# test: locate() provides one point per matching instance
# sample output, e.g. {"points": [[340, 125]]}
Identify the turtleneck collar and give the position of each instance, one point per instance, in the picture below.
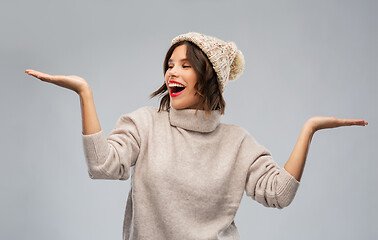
{"points": [[186, 119]]}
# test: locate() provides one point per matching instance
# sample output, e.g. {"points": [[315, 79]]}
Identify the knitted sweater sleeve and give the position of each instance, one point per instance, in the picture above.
{"points": [[266, 182], [111, 157]]}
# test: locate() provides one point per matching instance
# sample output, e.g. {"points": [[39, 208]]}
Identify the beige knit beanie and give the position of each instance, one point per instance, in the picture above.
{"points": [[228, 62]]}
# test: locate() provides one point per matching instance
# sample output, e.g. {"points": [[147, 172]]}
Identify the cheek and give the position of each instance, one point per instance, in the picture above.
{"points": [[192, 79]]}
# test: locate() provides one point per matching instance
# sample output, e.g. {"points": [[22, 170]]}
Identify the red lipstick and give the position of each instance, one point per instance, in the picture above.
{"points": [[177, 93]]}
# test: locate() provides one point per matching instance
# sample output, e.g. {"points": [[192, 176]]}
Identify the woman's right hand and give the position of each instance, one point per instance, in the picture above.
{"points": [[75, 83]]}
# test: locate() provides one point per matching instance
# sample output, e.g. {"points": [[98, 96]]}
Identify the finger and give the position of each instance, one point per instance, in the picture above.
{"points": [[349, 122], [47, 77], [32, 72], [42, 76], [29, 71]]}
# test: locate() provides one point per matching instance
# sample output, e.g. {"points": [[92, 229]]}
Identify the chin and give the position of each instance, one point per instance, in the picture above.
{"points": [[177, 106]]}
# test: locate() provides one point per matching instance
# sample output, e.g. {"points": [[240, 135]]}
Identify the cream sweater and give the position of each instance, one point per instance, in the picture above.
{"points": [[189, 173]]}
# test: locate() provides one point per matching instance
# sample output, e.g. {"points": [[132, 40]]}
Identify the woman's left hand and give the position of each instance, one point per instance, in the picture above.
{"points": [[321, 122]]}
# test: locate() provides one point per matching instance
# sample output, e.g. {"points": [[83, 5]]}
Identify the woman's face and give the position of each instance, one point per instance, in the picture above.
{"points": [[180, 79]]}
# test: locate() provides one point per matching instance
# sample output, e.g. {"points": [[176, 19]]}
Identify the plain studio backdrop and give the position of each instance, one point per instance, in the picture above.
{"points": [[303, 58]]}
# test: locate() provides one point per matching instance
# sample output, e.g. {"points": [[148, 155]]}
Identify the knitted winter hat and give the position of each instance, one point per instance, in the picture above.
{"points": [[227, 60]]}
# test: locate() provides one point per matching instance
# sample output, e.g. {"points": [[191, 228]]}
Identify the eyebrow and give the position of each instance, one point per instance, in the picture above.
{"points": [[182, 60]]}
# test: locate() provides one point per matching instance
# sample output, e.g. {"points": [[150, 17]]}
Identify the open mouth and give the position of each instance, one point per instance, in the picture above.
{"points": [[176, 88]]}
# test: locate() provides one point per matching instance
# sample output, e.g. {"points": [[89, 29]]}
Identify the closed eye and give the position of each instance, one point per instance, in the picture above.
{"points": [[182, 66]]}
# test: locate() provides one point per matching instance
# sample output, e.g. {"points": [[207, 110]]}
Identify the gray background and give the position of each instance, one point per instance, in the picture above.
{"points": [[303, 58]]}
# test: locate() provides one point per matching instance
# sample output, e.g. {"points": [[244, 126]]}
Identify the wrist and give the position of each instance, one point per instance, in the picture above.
{"points": [[309, 127], [85, 92]]}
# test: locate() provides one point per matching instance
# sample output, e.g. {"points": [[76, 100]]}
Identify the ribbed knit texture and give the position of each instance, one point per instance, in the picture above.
{"points": [[189, 173]]}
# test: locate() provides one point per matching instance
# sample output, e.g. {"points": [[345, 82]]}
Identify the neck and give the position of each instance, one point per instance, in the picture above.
{"points": [[195, 120]]}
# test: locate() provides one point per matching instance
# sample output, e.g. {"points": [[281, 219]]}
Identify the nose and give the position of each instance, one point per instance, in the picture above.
{"points": [[172, 72]]}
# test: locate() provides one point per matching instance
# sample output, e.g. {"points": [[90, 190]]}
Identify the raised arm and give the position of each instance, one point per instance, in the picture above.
{"points": [[276, 187], [89, 117], [297, 159], [90, 122], [107, 157]]}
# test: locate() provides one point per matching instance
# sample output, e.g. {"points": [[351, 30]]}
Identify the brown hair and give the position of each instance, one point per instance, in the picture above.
{"points": [[207, 83]]}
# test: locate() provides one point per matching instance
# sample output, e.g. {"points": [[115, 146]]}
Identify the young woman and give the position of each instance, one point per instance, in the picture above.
{"points": [[190, 171]]}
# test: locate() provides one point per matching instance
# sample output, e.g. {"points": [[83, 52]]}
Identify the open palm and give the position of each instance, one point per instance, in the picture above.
{"points": [[322, 122], [75, 83]]}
